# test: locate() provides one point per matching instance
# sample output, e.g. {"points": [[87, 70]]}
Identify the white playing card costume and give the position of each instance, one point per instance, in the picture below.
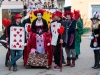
{"points": [[17, 38], [54, 27]]}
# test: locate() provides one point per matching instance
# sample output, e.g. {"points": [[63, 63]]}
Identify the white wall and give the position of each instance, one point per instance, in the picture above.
{"points": [[0, 19], [67, 3]]}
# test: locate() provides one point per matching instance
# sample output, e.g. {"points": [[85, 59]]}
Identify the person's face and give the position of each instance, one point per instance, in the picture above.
{"points": [[39, 16], [94, 21], [68, 17], [56, 17], [18, 20]]}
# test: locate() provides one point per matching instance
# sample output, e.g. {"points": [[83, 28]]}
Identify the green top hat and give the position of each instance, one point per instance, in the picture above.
{"points": [[67, 8]]}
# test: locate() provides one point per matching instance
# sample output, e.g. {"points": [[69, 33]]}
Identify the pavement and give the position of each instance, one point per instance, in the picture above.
{"points": [[82, 67]]}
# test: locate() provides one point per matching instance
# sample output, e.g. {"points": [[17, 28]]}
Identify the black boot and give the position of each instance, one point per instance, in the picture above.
{"points": [[6, 60], [96, 66], [76, 56], [96, 58]]}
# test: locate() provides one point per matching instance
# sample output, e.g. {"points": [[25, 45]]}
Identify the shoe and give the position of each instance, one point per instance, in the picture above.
{"points": [[9, 66], [68, 63], [73, 63], [6, 64], [76, 56], [56, 68], [63, 63], [14, 69]]}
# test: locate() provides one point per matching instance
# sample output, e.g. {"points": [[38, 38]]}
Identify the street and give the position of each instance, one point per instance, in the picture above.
{"points": [[82, 67]]}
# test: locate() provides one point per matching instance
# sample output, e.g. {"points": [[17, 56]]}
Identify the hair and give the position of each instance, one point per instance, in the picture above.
{"points": [[97, 25]]}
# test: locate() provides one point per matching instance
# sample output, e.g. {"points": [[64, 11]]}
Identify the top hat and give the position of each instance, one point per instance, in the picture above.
{"points": [[68, 8], [96, 16]]}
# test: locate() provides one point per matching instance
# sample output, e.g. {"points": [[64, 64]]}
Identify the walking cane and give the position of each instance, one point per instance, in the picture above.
{"points": [[61, 54], [6, 23], [60, 31]]}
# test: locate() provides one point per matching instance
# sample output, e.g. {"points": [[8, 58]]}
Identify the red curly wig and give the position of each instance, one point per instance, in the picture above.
{"points": [[39, 11], [76, 14], [68, 13]]}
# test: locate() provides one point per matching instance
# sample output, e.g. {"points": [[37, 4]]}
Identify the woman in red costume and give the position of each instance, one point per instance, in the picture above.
{"points": [[39, 42]]}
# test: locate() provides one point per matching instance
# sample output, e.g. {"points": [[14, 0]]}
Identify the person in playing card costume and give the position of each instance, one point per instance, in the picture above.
{"points": [[58, 17], [95, 39], [69, 36], [39, 42], [12, 63]]}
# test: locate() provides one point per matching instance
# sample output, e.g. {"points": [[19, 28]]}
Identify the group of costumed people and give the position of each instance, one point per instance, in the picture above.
{"points": [[39, 50]]}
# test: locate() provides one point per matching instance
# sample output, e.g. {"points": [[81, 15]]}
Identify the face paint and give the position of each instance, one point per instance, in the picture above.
{"points": [[39, 15], [68, 17]]}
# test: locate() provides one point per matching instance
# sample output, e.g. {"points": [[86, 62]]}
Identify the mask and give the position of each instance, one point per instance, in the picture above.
{"points": [[39, 15]]}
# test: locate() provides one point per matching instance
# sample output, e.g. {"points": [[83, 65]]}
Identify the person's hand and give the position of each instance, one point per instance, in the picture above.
{"points": [[61, 40], [7, 40], [96, 35]]}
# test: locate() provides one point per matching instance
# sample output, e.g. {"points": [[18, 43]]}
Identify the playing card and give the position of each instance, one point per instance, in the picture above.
{"points": [[26, 26], [54, 27], [17, 38]]}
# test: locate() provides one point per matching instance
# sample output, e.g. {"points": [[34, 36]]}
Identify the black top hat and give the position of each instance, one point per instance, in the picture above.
{"points": [[67, 8], [96, 16]]}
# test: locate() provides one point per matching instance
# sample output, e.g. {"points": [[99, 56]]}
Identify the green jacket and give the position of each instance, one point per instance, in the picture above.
{"points": [[79, 30]]}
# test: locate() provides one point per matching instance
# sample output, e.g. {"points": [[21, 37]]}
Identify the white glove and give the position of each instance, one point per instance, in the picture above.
{"points": [[48, 44], [25, 44], [91, 37]]}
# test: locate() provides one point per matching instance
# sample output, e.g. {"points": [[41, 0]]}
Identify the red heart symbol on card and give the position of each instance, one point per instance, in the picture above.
{"points": [[15, 29], [14, 40], [41, 40], [53, 25], [20, 46], [20, 40], [20, 29], [20, 35], [40, 45], [15, 35], [14, 46], [17, 43], [17, 32]]}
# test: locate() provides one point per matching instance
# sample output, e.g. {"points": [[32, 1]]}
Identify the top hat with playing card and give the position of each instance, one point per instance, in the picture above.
{"points": [[96, 16], [58, 13], [18, 16]]}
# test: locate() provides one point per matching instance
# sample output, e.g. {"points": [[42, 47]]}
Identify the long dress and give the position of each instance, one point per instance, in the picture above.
{"points": [[39, 42]]}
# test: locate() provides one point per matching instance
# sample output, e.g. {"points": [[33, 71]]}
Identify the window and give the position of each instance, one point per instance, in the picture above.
{"points": [[95, 8]]}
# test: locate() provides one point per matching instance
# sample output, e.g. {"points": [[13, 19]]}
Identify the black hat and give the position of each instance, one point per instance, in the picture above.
{"points": [[67, 8], [96, 16]]}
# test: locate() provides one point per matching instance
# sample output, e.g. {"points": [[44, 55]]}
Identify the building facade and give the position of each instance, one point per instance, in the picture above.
{"points": [[9, 7], [87, 8]]}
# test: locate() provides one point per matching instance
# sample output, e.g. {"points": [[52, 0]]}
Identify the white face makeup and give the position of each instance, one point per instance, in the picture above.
{"points": [[68, 17], [39, 15]]}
